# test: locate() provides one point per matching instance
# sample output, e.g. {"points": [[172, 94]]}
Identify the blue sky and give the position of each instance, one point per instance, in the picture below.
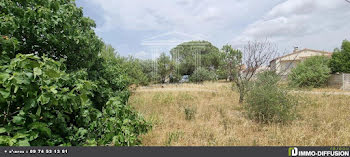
{"points": [[127, 24]]}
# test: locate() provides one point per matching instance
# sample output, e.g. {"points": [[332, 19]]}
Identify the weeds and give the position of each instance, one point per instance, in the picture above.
{"points": [[190, 113]]}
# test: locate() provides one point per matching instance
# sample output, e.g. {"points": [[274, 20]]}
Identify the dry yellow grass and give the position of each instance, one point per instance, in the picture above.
{"points": [[220, 120]]}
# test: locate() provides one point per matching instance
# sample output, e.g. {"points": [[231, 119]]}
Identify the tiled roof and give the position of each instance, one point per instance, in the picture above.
{"points": [[324, 52]]}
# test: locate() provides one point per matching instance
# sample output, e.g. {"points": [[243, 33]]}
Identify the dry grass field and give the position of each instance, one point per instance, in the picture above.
{"points": [[209, 115]]}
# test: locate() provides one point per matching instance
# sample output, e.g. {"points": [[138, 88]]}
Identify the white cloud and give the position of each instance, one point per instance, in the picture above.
{"points": [[320, 24], [317, 24], [180, 15]]}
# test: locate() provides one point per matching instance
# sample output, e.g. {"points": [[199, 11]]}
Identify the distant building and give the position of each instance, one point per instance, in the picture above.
{"points": [[284, 64]]}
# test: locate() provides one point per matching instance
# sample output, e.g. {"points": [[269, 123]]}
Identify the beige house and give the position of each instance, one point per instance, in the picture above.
{"points": [[284, 64]]}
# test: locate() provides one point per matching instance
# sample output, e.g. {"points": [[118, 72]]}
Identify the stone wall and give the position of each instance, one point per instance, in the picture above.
{"points": [[346, 82], [341, 81]]}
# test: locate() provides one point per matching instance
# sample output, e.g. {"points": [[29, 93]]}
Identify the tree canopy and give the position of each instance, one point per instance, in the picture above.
{"points": [[193, 54], [56, 85], [231, 59], [55, 28], [165, 67], [340, 61]]}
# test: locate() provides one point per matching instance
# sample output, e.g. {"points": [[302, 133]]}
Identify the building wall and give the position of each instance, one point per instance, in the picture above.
{"points": [[287, 66], [281, 65], [340, 81], [335, 81], [346, 82]]}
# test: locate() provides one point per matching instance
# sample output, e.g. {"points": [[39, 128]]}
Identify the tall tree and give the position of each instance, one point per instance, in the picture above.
{"points": [[55, 28], [340, 61], [165, 67], [230, 61], [191, 55]]}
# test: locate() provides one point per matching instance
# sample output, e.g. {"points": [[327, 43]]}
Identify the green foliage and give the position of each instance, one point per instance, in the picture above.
{"points": [[202, 74], [175, 77], [165, 67], [111, 80], [231, 59], [134, 70], [190, 113], [148, 68], [173, 137], [340, 58], [313, 72], [267, 102], [130, 66], [194, 53], [55, 28], [42, 105]]}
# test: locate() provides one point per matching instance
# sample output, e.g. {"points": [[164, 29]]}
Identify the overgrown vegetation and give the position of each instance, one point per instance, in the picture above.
{"points": [[55, 28], [229, 63], [131, 66], [267, 102], [202, 74], [190, 112], [340, 58], [313, 72], [242, 66], [165, 67], [43, 105], [220, 120], [65, 90]]}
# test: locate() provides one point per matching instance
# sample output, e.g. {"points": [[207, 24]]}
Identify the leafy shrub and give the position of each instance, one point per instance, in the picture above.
{"points": [[175, 77], [202, 74], [267, 102], [148, 68], [313, 72], [190, 113], [43, 105], [129, 66]]}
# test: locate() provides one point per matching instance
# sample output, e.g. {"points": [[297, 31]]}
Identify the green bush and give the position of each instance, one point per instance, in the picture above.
{"points": [[148, 68], [313, 72], [130, 66], [202, 74], [175, 77], [42, 105], [267, 102], [340, 58], [190, 112]]}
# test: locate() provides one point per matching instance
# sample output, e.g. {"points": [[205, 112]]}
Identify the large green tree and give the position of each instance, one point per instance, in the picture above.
{"points": [[191, 55], [230, 62], [43, 104], [165, 67], [340, 61], [55, 28]]}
